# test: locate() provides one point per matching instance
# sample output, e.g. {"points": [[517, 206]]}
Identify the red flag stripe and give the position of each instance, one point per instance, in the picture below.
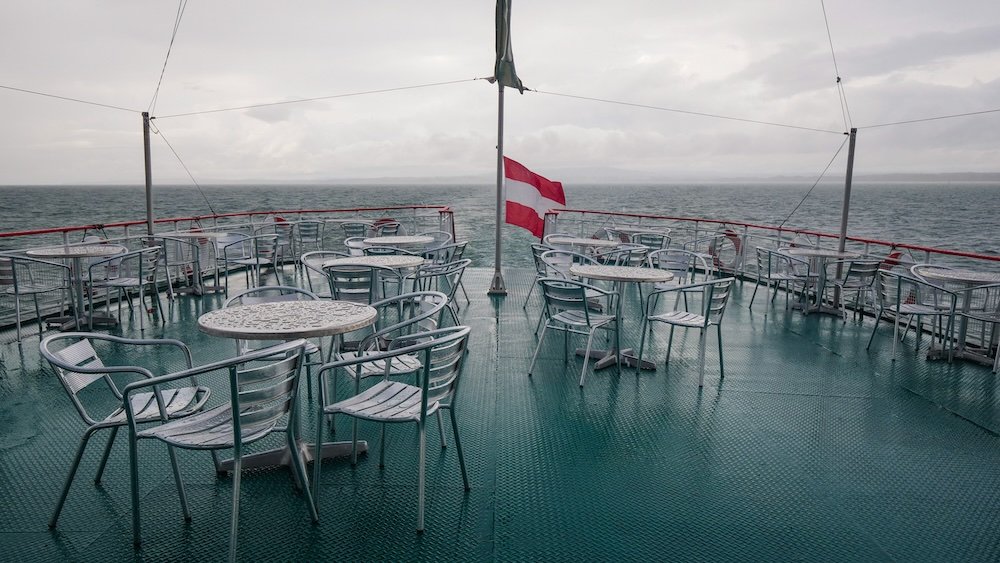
{"points": [[525, 217], [547, 188]]}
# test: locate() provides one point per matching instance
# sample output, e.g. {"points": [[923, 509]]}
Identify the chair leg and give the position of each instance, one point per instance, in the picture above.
{"points": [[180, 484], [722, 369], [586, 357], [642, 345], [420, 475], [754, 296], [105, 455], [534, 356], [38, 315], [701, 357], [234, 523], [134, 481], [458, 447], [318, 454], [17, 315], [530, 290], [300, 470], [670, 344], [69, 478], [444, 441]]}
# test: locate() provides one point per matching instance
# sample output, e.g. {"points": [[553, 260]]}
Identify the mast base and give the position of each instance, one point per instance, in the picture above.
{"points": [[497, 287]]}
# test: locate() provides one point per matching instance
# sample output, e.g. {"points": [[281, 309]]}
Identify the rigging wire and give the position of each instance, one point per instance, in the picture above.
{"points": [[844, 109], [157, 130], [68, 99], [935, 118], [700, 114], [302, 100], [816, 183], [181, 6]]}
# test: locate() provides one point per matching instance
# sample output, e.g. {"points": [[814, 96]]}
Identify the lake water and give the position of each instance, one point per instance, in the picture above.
{"points": [[960, 216]]}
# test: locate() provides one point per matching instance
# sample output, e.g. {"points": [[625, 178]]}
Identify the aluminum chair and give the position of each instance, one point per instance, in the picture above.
{"points": [[387, 251], [397, 318], [776, 268], [359, 284], [541, 269], [356, 229], [263, 389], [714, 297], [568, 309], [984, 309], [76, 362], [355, 245], [688, 267], [903, 295], [441, 238], [653, 240], [857, 276], [445, 278], [272, 294], [441, 353], [387, 228], [253, 254], [181, 262], [29, 276], [124, 272], [308, 233], [313, 263]]}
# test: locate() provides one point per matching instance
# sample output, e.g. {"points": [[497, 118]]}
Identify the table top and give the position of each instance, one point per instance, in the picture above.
{"points": [[190, 234], [384, 260], [287, 320], [80, 251], [620, 273], [960, 275], [398, 240], [635, 230], [820, 253], [577, 241]]}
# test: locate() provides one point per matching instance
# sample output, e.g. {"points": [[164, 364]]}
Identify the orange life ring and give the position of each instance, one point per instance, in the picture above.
{"points": [[719, 256]]}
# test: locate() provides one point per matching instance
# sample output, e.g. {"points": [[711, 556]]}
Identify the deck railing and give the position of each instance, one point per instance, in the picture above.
{"points": [[132, 234]]}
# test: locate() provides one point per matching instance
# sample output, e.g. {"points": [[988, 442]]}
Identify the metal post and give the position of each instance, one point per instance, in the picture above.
{"points": [[847, 190], [497, 287], [149, 173]]}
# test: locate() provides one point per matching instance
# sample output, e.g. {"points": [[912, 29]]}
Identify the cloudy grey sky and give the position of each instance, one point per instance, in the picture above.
{"points": [[753, 59]]}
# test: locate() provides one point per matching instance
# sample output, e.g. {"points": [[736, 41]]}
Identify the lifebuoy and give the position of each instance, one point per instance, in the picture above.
{"points": [[725, 250]]}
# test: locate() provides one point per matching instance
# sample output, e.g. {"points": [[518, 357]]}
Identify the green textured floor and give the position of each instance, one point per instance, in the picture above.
{"points": [[811, 448]]}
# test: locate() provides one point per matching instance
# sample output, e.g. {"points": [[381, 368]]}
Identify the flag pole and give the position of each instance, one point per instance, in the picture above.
{"points": [[149, 173], [497, 287]]}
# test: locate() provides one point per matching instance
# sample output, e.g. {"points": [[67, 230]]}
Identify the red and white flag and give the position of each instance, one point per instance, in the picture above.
{"points": [[529, 196]]}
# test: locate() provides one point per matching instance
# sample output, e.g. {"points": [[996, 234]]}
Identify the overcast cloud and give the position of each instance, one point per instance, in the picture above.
{"points": [[753, 59]]}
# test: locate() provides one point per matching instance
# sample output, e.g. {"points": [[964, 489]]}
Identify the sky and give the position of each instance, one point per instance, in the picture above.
{"points": [[754, 60]]}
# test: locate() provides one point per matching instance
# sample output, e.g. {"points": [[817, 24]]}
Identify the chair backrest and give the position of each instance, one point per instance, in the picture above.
{"points": [[265, 247], [440, 238], [862, 272], [263, 388], [685, 265], [386, 228], [356, 229], [627, 254], [536, 254], [21, 274], [358, 284], [7, 276], [715, 297], [445, 253], [140, 265], [652, 240], [562, 295], [313, 261], [441, 277], [309, 232], [886, 288], [558, 262], [355, 245], [233, 246], [401, 315], [76, 359]]}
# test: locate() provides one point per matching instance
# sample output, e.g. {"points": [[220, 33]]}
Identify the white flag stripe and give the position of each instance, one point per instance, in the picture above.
{"points": [[529, 196]]}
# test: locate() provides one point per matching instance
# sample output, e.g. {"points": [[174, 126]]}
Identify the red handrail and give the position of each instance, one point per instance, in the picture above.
{"points": [[917, 247]]}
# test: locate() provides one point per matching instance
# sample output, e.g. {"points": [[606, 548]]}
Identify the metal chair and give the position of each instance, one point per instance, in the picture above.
{"points": [[75, 359], [181, 262], [903, 295], [654, 240], [984, 309], [124, 272], [441, 353], [776, 268], [253, 254], [445, 278], [387, 228], [568, 309], [29, 276], [356, 229], [272, 294], [715, 296], [387, 251], [313, 262], [441, 238], [308, 233], [360, 284], [541, 269], [398, 317], [355, 245], [688, 267], [857, 276], [263, 389]]}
